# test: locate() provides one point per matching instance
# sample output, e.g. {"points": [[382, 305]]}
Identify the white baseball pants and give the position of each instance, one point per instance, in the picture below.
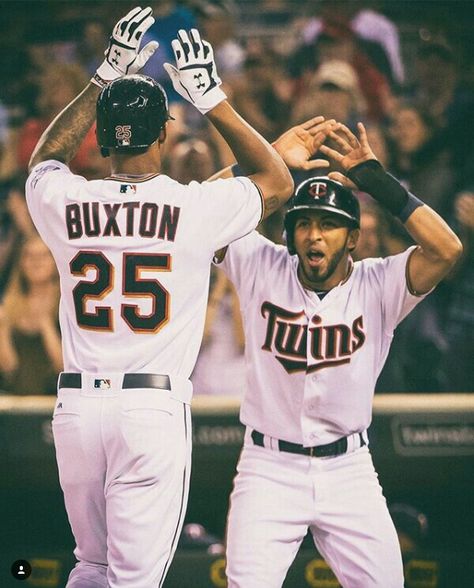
{"points": [[277, 496], [124, 464]]}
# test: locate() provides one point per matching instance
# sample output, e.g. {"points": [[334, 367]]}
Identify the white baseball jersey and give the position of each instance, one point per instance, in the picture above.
{"points": [[313, 363], [134, 261]]}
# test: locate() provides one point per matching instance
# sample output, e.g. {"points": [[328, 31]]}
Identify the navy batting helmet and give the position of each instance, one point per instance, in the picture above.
{"points": [[131, 112], [321, 193]]}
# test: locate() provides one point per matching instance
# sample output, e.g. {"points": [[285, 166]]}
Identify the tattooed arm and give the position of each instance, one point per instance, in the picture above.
{"points": [[62, 138]]}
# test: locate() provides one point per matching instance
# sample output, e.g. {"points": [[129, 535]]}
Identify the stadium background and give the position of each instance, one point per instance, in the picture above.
{"points": [[422, 440]]}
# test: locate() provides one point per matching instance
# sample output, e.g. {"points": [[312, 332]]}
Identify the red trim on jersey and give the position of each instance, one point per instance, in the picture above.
{"points": [[126, 179]]}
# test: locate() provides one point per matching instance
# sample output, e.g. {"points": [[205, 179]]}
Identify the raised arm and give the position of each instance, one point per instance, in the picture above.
{"points": [[296, 146], [196, 79], [438, 247], [64, 135]]}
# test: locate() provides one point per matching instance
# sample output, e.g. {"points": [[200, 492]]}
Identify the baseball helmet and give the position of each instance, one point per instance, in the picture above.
{"points": [[321, 193], [131, 112]]}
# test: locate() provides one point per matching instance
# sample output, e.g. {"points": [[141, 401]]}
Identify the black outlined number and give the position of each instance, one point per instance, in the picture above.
{"points": [[101, 319], [133, 285]]}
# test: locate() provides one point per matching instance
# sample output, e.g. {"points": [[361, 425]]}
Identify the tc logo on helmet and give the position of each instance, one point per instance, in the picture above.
{"points": [[123, 133], [317, 190]]}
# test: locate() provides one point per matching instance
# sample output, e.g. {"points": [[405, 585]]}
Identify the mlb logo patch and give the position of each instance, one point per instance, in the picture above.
{"points": [[102, 383], [128, 189]]}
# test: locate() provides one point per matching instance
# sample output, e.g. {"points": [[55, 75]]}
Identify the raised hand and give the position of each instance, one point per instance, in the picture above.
{"points": [[350, 151], [195, 76], [301, 142], [122, 55]]}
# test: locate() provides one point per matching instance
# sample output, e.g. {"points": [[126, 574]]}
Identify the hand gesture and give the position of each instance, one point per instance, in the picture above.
{"points": [[122, 55], [350, 152], [195, 77], [301, 142]]}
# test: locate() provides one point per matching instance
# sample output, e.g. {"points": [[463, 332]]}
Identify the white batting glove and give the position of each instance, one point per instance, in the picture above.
{"points": [[122, 56], [195, 77]]}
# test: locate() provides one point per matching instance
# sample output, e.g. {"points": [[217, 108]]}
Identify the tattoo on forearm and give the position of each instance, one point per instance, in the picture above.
{"points": [[62, 138], [271, 204]]}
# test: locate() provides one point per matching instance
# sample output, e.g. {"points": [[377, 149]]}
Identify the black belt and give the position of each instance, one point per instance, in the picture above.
{"points": [[330, 450], [71, 380]]}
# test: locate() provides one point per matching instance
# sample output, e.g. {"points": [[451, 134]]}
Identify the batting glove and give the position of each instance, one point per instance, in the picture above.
{"points": [[122, 56], [195, 77]]}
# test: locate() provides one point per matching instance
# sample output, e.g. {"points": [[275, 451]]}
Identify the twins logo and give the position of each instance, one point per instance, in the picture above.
{"points": [[317, 190], [123, 133], [329, 345]]}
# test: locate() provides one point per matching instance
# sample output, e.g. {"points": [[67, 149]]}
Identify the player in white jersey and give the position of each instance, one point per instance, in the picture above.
{"points": [[133, 253], [318, 329]]}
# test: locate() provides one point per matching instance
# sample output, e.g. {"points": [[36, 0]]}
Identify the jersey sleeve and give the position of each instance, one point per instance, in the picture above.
{"points": [[397, 299], [46, 189], [244, 260], [232, 208]]}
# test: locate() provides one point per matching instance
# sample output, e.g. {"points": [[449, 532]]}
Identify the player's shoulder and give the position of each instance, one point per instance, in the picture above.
{"points": [[257, 244], [49, 168], [374, 268]]}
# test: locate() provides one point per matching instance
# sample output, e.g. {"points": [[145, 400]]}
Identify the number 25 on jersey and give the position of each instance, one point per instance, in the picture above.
{"points": [[133, 285]]}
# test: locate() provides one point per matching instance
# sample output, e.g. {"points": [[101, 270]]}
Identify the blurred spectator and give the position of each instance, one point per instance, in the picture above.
{"points": [[90, 48], [421, 162], [458, 360], [220, 366], [263, 95], [217, 25], [170, 16], [440, 90], [371, 241], [377, 35], [337, 41], [15, 226], [190, 159], [30, 345], [333, 92], [60, 83]]}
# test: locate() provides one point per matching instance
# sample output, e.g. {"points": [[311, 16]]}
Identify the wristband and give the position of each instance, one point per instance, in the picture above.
{"points": [[371, 177], [236, 170], [98, 81], [412, 204]]}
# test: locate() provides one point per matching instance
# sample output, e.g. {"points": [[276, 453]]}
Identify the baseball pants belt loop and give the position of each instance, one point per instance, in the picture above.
{"points": [[160, 381], [329, 450]]}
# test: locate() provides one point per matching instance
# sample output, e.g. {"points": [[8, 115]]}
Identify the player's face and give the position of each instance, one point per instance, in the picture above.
{"points": [[323, 242], [37, 263]]}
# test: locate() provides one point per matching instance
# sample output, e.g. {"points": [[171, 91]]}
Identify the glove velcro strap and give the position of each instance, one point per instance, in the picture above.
{"points": [[371, 177], [98, 81]]}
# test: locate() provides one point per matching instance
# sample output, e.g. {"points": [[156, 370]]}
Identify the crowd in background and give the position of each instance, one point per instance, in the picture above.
{"points": [[281, 62]]}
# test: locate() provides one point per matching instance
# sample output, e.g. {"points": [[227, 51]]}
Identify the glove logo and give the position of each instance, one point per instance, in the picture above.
{"points": [[117, 55], [200, 84], [123, 133]]}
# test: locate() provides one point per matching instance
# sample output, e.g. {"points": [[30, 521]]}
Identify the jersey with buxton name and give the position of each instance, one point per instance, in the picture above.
{"points": [[134, 262], [312, 363]]}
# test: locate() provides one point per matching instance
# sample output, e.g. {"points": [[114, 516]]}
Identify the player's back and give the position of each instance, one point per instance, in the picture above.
{"points": [[134, 259]]}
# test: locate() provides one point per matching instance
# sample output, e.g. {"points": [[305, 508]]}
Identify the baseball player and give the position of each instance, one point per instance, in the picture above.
{"points": [[133, 252], [318, 329]]}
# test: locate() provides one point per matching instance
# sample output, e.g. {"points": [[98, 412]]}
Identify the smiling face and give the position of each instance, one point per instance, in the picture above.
{"points": [[323, 242]]}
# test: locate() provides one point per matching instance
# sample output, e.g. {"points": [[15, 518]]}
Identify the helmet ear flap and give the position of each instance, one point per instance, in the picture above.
{"points": [[288, 235]]}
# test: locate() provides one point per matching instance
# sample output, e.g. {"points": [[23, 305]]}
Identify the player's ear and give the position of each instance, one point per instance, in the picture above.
{"points": [[162, 135], [352, 239]]}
